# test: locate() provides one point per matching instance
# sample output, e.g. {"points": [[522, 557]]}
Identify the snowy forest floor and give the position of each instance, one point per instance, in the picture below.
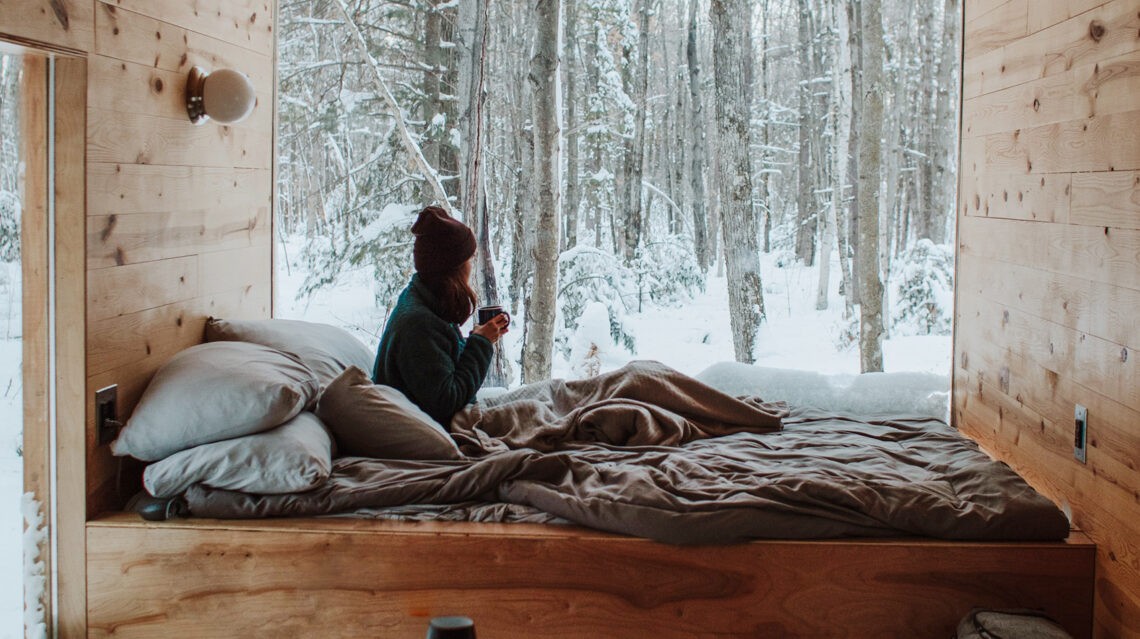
{"points": [[689, 337]]}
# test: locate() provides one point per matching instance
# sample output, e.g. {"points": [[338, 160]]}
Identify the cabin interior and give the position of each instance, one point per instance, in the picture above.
{"points": [[156, 223]]}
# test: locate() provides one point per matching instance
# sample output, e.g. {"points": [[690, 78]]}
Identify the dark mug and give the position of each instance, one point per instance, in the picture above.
{"points": [[451, 628], [487, 313]]}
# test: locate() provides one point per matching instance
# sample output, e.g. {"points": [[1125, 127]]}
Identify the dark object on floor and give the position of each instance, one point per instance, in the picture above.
{"points": [[451, 628], [1009, 624], [156, 509]]}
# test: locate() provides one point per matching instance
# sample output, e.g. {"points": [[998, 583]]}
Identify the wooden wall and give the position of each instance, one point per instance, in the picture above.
{"points": [[1049, 264], [178, 217]]}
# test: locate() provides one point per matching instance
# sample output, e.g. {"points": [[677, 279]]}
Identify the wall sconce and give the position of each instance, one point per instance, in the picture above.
{"points": [[225, 96]]}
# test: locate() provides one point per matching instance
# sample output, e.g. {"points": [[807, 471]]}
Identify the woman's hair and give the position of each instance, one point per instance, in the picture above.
{"points": [[456, 298]]}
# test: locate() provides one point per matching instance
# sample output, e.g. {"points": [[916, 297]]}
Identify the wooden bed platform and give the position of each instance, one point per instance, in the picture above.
{"points": [[334, 578]]}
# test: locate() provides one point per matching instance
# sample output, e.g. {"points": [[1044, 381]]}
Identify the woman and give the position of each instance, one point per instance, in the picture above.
{"points": [[422, 353]]}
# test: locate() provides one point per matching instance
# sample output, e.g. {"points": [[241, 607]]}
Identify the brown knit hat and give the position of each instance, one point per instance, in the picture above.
{"points": [[442, 242]]}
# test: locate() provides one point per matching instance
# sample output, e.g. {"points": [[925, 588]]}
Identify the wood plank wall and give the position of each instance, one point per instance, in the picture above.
{"points": [[1049, 265], [178, 216]]}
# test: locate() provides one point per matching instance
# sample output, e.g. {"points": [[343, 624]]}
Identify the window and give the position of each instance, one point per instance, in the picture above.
{"points": [[679, 237]]}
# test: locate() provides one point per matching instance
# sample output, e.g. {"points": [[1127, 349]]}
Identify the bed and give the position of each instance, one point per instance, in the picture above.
{"points": [[663, 512]]}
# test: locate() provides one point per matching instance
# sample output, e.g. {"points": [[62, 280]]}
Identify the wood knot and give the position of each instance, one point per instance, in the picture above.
{"points": [[1036, 104], [1004, 318], [158, 85], [1097, 30], [108, 228], [1123, 355]]}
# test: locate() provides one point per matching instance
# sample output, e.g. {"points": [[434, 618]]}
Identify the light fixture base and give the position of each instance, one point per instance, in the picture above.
{"points": [[195, 84]]}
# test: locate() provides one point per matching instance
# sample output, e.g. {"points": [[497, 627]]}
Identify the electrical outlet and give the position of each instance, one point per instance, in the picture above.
{"points": [[106, 414], [1080, 432]]}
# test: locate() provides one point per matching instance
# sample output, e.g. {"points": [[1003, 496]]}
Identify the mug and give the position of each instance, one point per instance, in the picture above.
{"points": [[451, 628], [486, 313]]}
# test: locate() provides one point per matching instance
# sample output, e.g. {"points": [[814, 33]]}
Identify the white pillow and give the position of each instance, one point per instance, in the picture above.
{"points": [[212, 392], [373, 420], [291, 458], [327, 350]]}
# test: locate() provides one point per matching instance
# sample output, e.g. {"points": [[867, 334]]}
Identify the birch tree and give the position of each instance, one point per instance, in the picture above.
{"points": [[696, 141], [841, 123], [732, 53], [545, 83], [870, 158]]}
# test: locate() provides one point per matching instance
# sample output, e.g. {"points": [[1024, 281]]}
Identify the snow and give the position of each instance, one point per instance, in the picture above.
{"points": [[11, 466]]}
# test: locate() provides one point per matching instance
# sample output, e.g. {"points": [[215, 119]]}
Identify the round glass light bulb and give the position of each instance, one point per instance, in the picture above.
{"points": [[228, 96]]}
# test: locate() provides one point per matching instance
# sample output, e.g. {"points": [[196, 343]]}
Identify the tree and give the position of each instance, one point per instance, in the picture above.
{"points": [[870, 159], [696, 142], [637, 78], [806, 217], [732, 53], [841, 123], [545, 83]]}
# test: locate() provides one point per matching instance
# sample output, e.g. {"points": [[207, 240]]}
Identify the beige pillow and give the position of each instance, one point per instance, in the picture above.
{"points": [[212, 392], [291, 458], [327, 350], [373, 420]]}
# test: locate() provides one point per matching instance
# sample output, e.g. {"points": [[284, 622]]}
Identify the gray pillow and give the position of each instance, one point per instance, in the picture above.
{"points": [[291, 458], [327, 350], [373, 420], [212, 392]]}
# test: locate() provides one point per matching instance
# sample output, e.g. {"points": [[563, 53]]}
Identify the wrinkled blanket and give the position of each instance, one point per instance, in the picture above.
{"points": [[647, 451]]}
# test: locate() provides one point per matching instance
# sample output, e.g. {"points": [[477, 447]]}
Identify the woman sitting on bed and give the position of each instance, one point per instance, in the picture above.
{"points": [[422, 353]]}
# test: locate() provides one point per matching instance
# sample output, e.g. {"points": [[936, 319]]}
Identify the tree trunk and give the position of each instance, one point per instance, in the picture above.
{"points": [[732, 53], [696, 143], [570, 66], [870, 159], [854, 17], [805, 201], [842, 165], [946, 134], [472, 52], [635, 146], [765, 132], [546, 85], [841, 119]]}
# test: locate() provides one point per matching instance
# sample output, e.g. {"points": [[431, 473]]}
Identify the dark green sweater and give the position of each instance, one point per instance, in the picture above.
{"points": [[426, 358]]}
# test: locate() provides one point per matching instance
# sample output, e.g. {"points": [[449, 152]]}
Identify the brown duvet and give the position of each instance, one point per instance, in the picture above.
{"points": [[650, 452]]}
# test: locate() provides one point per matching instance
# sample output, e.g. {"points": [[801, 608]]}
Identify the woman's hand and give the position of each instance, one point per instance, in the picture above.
{"points": [[494, 328]]}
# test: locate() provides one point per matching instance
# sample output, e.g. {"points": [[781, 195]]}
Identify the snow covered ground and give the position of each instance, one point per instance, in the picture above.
{"points": [[11, 467], [690, 337]]}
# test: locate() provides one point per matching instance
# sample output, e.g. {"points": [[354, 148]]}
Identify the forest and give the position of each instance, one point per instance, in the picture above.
{"points": [[618, 151]]}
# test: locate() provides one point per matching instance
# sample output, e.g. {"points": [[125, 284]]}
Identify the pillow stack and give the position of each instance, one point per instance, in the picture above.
{"points": [[236, 413]]}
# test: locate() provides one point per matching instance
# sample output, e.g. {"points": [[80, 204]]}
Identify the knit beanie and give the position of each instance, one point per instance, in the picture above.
{"points": [[442, 242]]}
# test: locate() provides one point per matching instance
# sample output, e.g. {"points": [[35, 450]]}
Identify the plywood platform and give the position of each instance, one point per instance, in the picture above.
{"points": [[354, 578]]}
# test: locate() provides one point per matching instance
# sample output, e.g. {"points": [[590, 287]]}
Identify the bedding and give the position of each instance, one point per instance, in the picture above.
{"points": [[650, 452], [327, 350], [212, 392], [373, 420], [293, 457]]}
